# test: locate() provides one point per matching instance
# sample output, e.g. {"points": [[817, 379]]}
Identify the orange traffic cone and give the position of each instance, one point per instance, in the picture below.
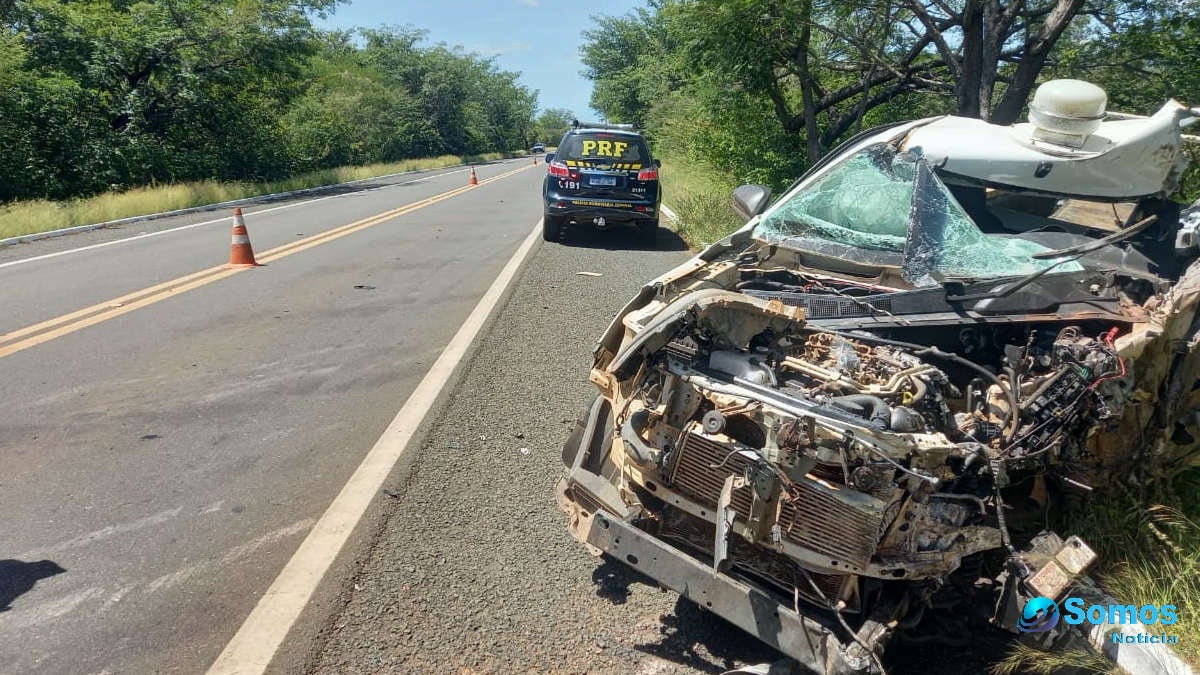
{"points": [[474, 179], [241, 254], [535, 160]]}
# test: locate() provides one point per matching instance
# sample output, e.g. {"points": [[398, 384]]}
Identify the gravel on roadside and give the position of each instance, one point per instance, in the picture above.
{"points": [[473, 570]]}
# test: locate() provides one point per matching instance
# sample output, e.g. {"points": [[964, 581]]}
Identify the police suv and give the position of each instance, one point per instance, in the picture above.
{"points": [[601, 175]]}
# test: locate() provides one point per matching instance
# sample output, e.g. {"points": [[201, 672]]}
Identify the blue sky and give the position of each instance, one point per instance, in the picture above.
{"points": [[538, 38]]}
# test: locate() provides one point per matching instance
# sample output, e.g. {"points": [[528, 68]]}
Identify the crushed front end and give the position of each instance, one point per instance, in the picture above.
{"points": [[814, 487], [853, 417]]}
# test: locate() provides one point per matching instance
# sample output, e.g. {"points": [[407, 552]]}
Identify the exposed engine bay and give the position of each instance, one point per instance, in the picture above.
{"points": [[821, 452], [834, 468]]}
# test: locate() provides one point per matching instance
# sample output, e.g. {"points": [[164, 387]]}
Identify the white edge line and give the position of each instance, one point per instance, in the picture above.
{"points": [[147, 235], [668, 212], [258, 639], [36, 236]]}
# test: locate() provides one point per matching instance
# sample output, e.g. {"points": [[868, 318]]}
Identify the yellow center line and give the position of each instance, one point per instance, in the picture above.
{"points": [[31, 336]]}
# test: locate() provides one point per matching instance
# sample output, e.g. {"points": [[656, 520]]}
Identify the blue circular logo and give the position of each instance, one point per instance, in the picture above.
{"points": [[1039, 615]]}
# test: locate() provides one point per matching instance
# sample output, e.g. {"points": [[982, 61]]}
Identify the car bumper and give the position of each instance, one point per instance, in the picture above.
{"points": [[583, 209], [599, 519]]}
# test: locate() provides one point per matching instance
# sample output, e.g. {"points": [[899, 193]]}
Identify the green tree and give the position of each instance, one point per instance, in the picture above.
{"points": [[825, 65], [761, 87], [551, 125], [630, 60], [164, 89], [472, 105], [105, 94]]}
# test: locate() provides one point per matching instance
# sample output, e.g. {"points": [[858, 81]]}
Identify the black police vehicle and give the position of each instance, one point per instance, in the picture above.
{"points": [[601, 175]]}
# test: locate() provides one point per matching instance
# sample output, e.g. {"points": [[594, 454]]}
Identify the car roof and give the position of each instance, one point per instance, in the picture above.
{"points": [[602, 130]]}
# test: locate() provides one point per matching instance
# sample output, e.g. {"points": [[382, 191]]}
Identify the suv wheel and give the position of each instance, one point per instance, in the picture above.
{"points": [[552, 227]]}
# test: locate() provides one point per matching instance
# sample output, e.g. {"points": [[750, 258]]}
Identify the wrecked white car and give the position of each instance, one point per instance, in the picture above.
{"points": [[861, 405]]}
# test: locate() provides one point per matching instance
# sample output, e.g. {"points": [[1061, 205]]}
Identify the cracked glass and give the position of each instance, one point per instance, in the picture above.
{"points": [[884, 201]]}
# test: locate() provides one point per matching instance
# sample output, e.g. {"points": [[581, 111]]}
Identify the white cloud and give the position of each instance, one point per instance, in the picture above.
{"points": [[529, 3]]}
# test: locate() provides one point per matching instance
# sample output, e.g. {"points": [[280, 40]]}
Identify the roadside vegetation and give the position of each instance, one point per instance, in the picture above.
{"points": [[43, 215], [109, 109], [753, 91], [700, 198], [1148, 539], [1149, 548]]}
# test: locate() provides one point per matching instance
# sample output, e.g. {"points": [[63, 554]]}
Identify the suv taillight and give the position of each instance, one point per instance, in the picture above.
{"points": [[648, 173], [559, 169]]}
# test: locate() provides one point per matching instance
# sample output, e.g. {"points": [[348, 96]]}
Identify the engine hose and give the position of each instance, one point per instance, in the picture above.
{"points": [[919, 384], [634, 445], [1010, 425], [765, 284], [872, 407]]}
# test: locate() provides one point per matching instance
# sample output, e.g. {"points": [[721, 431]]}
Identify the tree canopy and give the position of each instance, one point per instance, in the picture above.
{"points": [[759, 88], [107, 94]]}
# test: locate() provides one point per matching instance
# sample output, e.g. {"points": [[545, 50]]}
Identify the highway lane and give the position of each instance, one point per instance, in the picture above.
{"points": [[98, 274], [170, 459]]}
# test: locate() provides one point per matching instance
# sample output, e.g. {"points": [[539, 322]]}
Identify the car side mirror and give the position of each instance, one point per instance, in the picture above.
{"points": [[549, 157], [658, 163], [751, 200]]}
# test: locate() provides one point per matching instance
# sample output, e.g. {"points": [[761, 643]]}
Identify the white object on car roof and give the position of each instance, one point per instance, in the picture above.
{"points": [[1121, 159], [1066, 112]]}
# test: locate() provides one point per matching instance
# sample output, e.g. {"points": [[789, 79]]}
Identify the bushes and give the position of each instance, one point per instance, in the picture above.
{"points": [[101, 96], [41, 215]]}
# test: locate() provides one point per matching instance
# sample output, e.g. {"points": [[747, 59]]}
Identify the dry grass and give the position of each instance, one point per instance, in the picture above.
{"points": [[1147, 555], [702, 199], [1023, 659], [1165, 573], [29, 217]]}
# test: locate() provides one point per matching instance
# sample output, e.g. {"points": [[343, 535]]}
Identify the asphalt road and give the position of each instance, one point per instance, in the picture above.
{"points": [[474, 570], [161, 465]]}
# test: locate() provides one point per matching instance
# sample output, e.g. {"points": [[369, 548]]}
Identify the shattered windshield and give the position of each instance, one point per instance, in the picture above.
{"points": [[881, 200]]}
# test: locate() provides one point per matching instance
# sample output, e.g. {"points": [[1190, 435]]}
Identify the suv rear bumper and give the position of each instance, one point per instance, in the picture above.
{"points": [[583, 208]]}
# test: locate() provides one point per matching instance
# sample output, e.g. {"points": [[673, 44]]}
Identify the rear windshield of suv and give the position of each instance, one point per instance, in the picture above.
{"points": [[601, 147]]}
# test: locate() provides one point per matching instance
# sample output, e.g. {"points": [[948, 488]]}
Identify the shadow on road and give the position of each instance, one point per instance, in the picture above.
{"points": [[620, 238], [691, 632], [17, 578], [614, 579], [689, 636]]}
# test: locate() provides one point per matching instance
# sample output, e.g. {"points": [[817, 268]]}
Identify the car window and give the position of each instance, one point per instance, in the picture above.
{"points": [[601, 147], [874, 200]]}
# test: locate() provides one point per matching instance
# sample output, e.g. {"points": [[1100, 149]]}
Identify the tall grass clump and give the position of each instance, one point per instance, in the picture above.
{"points": [[701, 198]]}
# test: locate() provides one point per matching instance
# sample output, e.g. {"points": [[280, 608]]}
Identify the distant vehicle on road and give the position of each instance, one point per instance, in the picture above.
{"points": [[601, 175], [539, 147]]}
